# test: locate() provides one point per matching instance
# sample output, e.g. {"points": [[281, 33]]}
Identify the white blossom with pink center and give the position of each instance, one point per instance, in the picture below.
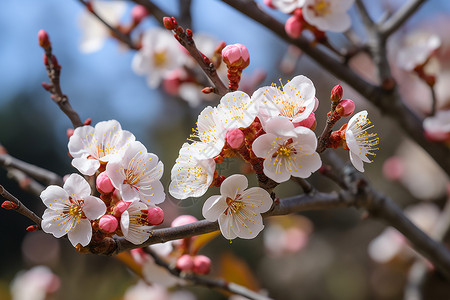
{"points": [[70, 209], [134, 223], [160, 54], [192, 173], [238, 209], [287, 6], [437, 127], [137, 175], [295, 100], [94, 32], [287, 150], [91, 146], [359, 142], [416, 49], [328, 15]]}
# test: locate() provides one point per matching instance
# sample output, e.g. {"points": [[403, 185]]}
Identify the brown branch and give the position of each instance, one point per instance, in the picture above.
{"points": [[206, 281], [26, 183], [21, 208]]}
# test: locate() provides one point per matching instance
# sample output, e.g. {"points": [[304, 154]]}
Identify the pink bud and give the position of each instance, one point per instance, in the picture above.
{"points": [[336, 93], [393, 168], [345, 108], [309, 122], [43, 39], [104, 184], [235, 138], [236, 56], [185, 263], [172, 81], [202, 264], [183, 220], [170, 23], [108, 223], [155, 215], [138, 13], [269, 4], [69, 132], [293, 27], [88, 121], [32, 228], [120, 207], [9, 205]]}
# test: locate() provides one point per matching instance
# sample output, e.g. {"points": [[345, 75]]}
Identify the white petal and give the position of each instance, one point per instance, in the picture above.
{"points": [[306, 164], [128, 193], [54, 196], [275, 170], [93, 207], [247, 224], [356, 161], [266, 145], [86, 166], [213, 207], [233, 185], [225, 223], [280, 126], [80, 141], [125, 222], [154, 194], [77, 187], [50, 223], [81, 234], [114, 171], [257, 199]]}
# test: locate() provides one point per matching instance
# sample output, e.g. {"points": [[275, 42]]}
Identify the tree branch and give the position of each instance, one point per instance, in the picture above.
{"points": [[21, 208]]}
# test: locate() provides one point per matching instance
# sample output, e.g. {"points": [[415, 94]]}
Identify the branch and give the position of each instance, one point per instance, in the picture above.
{"points": [[26, 183], [21, 208], [400, 17], [205, 281]]}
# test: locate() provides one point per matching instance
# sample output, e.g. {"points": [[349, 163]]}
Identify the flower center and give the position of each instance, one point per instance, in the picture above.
{"points": [[234, 205], [132, 178], [290, 110], [159, 58], [321, 8], [75, 211]]}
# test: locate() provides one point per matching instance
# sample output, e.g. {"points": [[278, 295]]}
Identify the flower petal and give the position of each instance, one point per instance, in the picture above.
{"points": [[257, 199], [233, 185], [86, 166], [81, 234], [77, 187], [213, 207], [266, 145], [356, 161], [247, 224], [54, 197], [225, 224], [154, 193], [93, 207]]}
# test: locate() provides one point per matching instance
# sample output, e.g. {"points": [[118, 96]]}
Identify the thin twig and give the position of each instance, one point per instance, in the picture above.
{"points": [[367, 20], [400, 17], [205, 281], [21, 208], [26, 183], [306, 186], [433, 100]]}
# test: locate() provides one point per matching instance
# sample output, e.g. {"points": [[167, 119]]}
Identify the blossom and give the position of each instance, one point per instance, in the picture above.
{"points": [[192, 174], [416, 49], [134, 223], [94, 32], [236, 110], [359, 142], [437, 127], [287, 150], [136, 175], [91, 146], [70, 209], [211, 130], [328, 15], [295, 101], [160, 54], [238, 210], [287, 6], [38, 283]]}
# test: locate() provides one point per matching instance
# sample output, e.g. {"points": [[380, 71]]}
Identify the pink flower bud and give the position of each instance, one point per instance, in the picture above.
{"points": [[138, 13], [185, 263], [120, 207], [345, 108], [236, 56], [69, 132], [104, 184], [108, 223], [235, 138], [336, 93], [88, 121], [202, 264], [32, 228], [183, 220], [172, 81], [269, 4], [9, 205], [43, 39], [309, 122], [155, 215], [293, 27], [393, 168], [170, 23]]}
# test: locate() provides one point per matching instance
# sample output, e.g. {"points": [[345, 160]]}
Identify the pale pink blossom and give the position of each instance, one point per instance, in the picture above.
{"points": [[328, 15], [37, 283], [134, 224], [437, 127], [238, 209], [70, 209], [416, 48]]}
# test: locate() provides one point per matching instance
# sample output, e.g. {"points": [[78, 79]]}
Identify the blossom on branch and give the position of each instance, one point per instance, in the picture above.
{"points": [[134, 223], [91, 146], [238, 209], [137, 175], [287, 150], [287, 6], [416, 49], [328, 15], [70, 209], [359, 142]]}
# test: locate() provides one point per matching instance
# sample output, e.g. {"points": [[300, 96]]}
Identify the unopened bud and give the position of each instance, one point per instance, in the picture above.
{"points": [[293, 27], [394, 168], [32, 228], [9, 205], [138, 13], [185, 263], [46, 86], [88, 121], [235, 138], [236, 56], [69, 132], [336, 93], [170, 23], [120, 207], [104, 184], [345, 108], [43, 38], [269, 4], [155, 215], [207, 90], [202, 264], [183, 220], [108, 223], [189, 33]]}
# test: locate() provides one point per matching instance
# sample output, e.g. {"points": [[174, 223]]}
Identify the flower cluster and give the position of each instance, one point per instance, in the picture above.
{"points": [[127, 178]]}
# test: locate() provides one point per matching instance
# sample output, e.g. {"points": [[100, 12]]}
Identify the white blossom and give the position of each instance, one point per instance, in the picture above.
{"points": [[288, 6], [287, 150], [328, 15], [91, 146], [211, 131], [238, 209], [137, 175], [35, 284], [134, 223], [359, 142], [236, 110], [416, 48], [70, 209]]}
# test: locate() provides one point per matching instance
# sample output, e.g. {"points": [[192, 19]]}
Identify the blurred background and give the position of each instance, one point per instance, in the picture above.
{"points": [[328, 256]]}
